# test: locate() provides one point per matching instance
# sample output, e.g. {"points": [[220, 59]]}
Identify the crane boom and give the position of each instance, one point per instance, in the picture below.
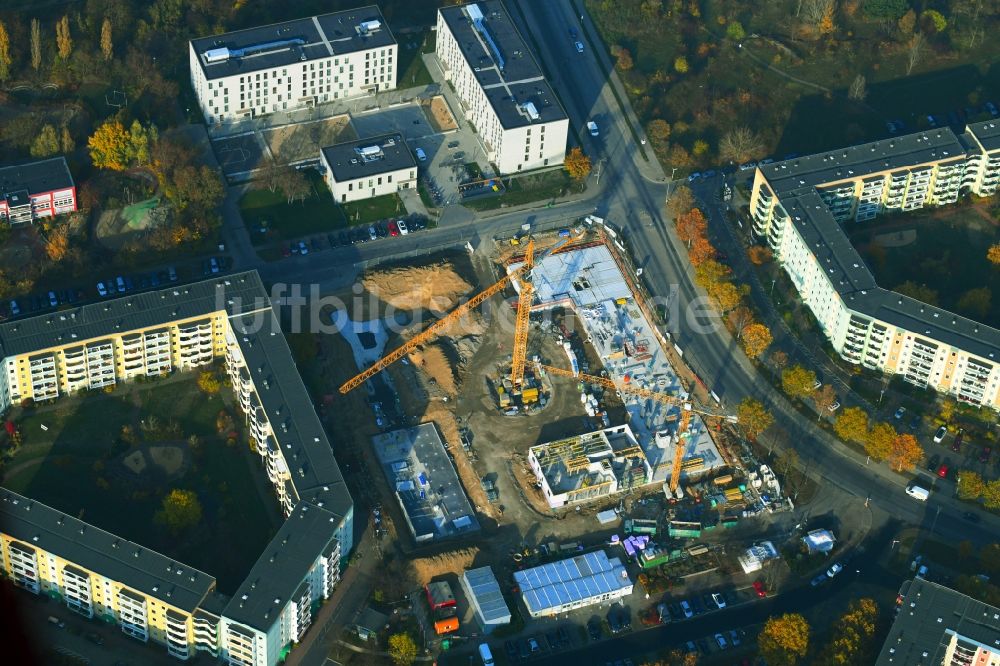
{"points": [[523, 315], [686, 410]]}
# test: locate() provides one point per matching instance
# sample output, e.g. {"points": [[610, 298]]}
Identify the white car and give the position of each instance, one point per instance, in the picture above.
{"points": [[402, 228], [579, 47], [592, 128], [835, 569], [102, 291], [940, 435], [834, 407], [719, 600]]}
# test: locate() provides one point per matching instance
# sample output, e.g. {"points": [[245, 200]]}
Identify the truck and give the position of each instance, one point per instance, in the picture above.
{"points": [[917, 492]]}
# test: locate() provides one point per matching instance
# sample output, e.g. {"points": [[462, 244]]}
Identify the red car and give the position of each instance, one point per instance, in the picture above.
{"points": [[393, 229], [943, 471], [758, 587]]}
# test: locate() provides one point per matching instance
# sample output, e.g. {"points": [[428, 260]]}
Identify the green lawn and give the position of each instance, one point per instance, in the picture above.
{"points": [[412, 65], [269, 211], [527, 189], [76, 466], [368, 211], [948, 256]]}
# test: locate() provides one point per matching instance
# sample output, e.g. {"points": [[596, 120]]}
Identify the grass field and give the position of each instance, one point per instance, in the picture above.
{"points": [[367, 211], [270, 211], [527, 189], [76, 467], [948, 256]]}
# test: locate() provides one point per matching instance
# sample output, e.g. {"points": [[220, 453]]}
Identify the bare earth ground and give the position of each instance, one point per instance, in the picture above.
{"points": [[433, 287], [293, 143], [426, 569], [439, 115]]}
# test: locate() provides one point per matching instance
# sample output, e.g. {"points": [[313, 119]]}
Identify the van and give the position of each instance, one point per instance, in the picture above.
{"points": [[485, 654], [917, 493]]}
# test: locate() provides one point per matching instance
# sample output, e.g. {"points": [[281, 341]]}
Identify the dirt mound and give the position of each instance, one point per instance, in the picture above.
{"points": [[425, 569], [433, 361], [435, 287]]}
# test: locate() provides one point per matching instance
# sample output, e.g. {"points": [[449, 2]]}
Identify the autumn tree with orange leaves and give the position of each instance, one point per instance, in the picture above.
{"points": [[692, 225], [993, 254], [906, 452], [756, 339], [577, 164]]}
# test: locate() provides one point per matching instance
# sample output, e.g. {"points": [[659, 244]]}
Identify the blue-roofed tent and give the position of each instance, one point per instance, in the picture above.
{"points": [[573, 583]]}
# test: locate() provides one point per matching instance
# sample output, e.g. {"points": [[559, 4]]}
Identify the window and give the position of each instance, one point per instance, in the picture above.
{"points": [[389, 178], [350, 187], [380, 180]]}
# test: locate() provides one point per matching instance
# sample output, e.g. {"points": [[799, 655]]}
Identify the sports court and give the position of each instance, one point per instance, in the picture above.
{"points": [[239, 153]]}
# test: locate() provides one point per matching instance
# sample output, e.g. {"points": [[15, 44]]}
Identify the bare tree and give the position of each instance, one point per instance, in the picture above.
{"points": [[740, 145], [36, 44], [913, 55], [858, 89], [294, 185], [813, 11]]}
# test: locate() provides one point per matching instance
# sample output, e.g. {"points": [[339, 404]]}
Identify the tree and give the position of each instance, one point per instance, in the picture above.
{"points": [[681, 65], [208, 382], [906, 452], [658, 131], [66, 143], [577, 164], [700, 251], [46, 143], [852, 424], [946, 410], [294, 185], [975, 302], [699, 148], [993, 254], [64, 41], [852, 634], [623, 59], [740, 144], [779, 359], [824, 399], [784, 640], [180, 510], [886, 9], [402, 649], [907, 22], [139, 140], [5, 59], [880, 441], [36, 45], [726, 295], [691, 225], [970, 485], [200, 186], [798, 382], [110, 146], [756, 338], [858, 90], [760, 255], [934, 19], [914, 51], [735, 31], [107, 46], [753, 417], [57, 243], [681, 201], [921, 292], [709, 273], [991, 495]]}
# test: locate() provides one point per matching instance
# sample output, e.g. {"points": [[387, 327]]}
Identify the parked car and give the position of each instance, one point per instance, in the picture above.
{"points": [[693, 177], [594, 629], [991, 109], [721, 641], [915, 422], [403, 230], [53, 300], [572, 33], [172, 273], [533, 645], [421, 155], [899, 413], [303, 250], [819, 580], [213, 263], [393, 229], [956, 444], [709, 602], [372, 234], [933, 462], [835, 569], [102, 291], [15, 309], [686, 608], [834, 407], [719, 600], [286, 250], [984, 457], [734, 637], [940, 434], [696, 606], [759, 588], [579, 47], [942, 471], [120, 284], [592, 128], [971, 516]]}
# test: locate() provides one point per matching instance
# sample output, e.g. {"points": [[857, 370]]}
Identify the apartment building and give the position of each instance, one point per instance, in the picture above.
{"points": [[44, 551], [292, 65], [368, 168], [799, 207], [937, 625], [36, 189], [502, 90]]}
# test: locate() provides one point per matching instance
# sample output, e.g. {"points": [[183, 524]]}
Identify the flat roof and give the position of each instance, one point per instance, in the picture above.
{"points": [[502, 63], [35, 177], [36, 525], [585, 276], [908, 150], [416, 465], [236, 293], [487, 597], [284, 564], [557, 584], [292, 42], [987, 133], [368, 157], [930, 617]]}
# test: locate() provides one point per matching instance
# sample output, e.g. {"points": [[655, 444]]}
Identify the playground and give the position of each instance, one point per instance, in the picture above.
{"points": [[117, 226]]}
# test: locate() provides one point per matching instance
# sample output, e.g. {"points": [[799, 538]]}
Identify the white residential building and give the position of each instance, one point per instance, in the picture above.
{"points": [[368, 167], [502, 90], [798, 207], [292, 65]]}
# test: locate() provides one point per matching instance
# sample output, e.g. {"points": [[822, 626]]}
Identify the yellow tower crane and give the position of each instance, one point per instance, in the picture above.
{"points": [[686, 410], [524, 301], [434, 329]]}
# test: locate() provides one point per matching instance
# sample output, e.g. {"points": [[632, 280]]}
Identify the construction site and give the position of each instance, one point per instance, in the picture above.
{"points": [[555, 400]]}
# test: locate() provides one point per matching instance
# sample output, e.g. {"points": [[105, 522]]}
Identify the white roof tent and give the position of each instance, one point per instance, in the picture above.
{"points": [[579, 581], [483, 591]]}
